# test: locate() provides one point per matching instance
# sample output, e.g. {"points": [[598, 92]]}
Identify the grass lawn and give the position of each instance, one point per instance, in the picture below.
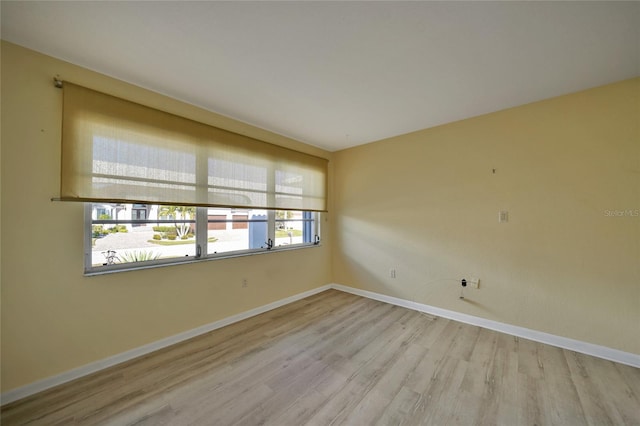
{"points": [[280, 233]]}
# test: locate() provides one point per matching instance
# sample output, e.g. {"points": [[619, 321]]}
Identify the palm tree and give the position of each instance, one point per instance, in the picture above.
{"points": [[179, 213]]}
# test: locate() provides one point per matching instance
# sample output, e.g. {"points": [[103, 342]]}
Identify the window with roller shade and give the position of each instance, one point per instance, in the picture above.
{"points": [[116, 152], [124, 236]]}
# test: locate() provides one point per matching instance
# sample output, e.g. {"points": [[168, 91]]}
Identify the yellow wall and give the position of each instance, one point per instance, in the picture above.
{"points": [[55, 319], [427, 204]]}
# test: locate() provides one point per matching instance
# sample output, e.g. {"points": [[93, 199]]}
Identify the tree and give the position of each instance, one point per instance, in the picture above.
{"points": [[179, 213], [281, 215]]}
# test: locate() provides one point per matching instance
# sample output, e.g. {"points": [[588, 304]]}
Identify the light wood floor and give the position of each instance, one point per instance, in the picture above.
{"points": [[336, 358]]}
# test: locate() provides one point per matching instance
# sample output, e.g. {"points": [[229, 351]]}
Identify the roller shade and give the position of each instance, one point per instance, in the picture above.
{"points": [[114, 150]]}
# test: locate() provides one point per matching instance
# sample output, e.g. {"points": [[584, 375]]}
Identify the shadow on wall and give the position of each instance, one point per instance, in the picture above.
{"points": [[371, 253]]}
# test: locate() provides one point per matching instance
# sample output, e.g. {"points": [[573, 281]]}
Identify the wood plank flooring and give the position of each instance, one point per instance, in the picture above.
{"points": [[336, 358]]}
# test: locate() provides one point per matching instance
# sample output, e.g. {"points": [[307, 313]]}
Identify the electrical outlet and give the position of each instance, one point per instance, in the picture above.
{"points": [[392, 273], [245, 282], [474, 283]]}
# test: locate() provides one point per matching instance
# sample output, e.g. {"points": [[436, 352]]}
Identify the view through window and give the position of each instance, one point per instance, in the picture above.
{"points": [[123, 236]]}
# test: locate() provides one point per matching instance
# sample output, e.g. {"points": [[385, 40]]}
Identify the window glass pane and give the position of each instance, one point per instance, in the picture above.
{"points": [[231, 230], [127, 233], [294, 227]]}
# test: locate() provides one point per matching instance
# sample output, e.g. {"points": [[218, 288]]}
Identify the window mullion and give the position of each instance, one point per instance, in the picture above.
{"points": [[88, 237], [202, 188], [271, 226], [271, 201], [317, 226]]}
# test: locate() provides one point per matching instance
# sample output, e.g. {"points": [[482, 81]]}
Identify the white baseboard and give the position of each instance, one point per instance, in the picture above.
{"points": [[562, 342], [67, 376], [526, 333]]}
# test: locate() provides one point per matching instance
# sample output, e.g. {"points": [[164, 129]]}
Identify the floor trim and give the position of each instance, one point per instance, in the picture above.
{"points": [[538, 336], [67, 376], [526, 333]]}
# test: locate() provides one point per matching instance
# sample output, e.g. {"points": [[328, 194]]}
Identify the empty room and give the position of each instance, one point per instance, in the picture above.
{"points": [[320, 212]]}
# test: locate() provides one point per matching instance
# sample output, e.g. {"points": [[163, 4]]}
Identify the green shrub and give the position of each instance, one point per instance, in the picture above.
{"points": [[98, 231], [184, 237], [118, 228], [157, 236], [172, 236], [164, 229]]}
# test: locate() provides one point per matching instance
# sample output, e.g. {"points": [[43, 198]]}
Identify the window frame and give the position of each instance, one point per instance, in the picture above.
{"points": [[201, 236]]}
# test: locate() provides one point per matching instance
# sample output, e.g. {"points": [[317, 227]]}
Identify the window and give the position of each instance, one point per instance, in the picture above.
{"points": [[128, 236], [160, 188]]}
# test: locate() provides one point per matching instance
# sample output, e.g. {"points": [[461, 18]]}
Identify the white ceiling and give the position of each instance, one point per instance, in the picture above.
{"points": [[340, 74]]}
